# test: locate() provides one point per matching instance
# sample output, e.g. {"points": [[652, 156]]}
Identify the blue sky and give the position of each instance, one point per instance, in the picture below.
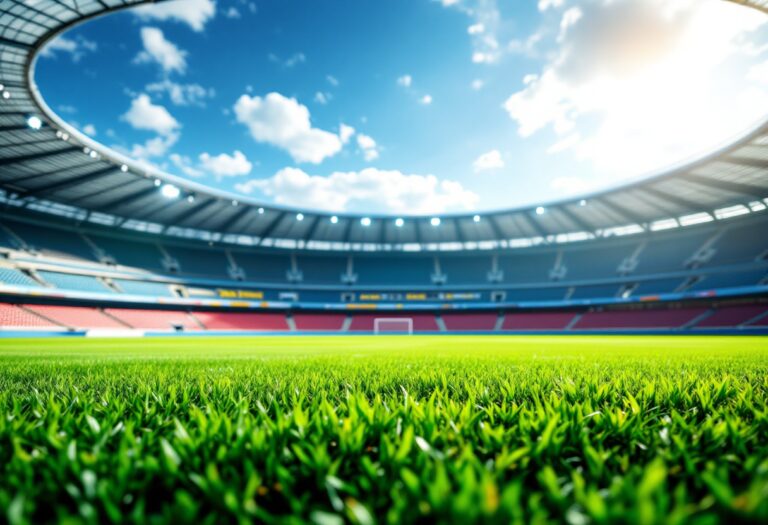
{"points": [[412, 106]]}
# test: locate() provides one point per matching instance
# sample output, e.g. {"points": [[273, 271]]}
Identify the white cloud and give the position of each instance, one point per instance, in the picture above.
{"points": [[291, 61], [182, 94], [89, 129], [623, 68], [426, 100], [76, 47], [477, 84], [323, 97], [364, 190], [232, 12], [490, 160], [346, 133], [184, 164], [194, 13], [476, 29], [285, 123], [332, 80], [368, 146], [405, 81], [223, 165], [145, 115], [161, 51], [547, 4], [154, 147]]}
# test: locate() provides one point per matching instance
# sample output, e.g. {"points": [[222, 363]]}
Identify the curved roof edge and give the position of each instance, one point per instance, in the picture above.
{"points": [[59, 168]]}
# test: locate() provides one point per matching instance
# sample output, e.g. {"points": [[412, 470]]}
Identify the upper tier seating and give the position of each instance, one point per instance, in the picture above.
{"points": [[364, 322], [527, 267], [16, 277], [470, 322], [13, 316], [669, 254], [595, 292], [537, 321], [153, 319], [730, 279], [272, 322], [263, 267], [130, 253], [53, 242], [80, 283], [466, 269], [599, 261], [149, 289], [640, 319], [739, 244], [76, 316], [384, 269], [199, 262], [322, 269], [319, 322]]}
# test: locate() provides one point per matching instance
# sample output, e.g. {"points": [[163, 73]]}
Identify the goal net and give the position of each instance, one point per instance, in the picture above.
{"points": [[393, 326]]}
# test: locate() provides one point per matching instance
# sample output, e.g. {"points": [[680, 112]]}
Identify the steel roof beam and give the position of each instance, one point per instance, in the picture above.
{"points": [[688, 205], [581, 223], [741, 188], [625, 213], [193, 210], [36, 156], [271, 227], [124, 200], [233, 220], [67, 183]]}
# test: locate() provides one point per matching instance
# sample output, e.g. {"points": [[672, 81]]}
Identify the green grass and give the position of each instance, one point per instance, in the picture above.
{"points": [[385, 430]]}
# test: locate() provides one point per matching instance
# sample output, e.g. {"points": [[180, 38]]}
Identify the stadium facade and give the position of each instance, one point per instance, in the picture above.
{"points": [[94, 240]]}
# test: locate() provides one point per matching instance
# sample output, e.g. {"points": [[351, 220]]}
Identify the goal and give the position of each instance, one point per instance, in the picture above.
{"points": [[390, 325]]}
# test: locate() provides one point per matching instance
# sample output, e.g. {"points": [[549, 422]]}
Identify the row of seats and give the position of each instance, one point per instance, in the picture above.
{"points": [[78, 317], [662, 252], [91, 284]]}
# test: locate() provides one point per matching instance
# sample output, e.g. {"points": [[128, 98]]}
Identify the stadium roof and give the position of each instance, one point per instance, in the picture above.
{"points": [[46, 165]]}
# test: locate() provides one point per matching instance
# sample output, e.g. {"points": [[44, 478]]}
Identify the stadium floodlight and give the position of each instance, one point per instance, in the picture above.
{"points": [[235, 203], [157, 182], [435, 221], [583, 202], [365, 221], [399, 222], [6, 95], [2, 87], [124, 168], [190, 198], [93, 154], [170, 191], [334, 219], [65, 136], [299, 216], [540, 210], [476, 218], [261, 211], [34, 122]]}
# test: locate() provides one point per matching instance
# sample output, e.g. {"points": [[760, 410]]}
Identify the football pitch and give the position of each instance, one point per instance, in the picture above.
{"points": [[334, 430]]}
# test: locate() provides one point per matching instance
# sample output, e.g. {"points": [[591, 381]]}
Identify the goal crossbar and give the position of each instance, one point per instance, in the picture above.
{"points": [[393, 325]]}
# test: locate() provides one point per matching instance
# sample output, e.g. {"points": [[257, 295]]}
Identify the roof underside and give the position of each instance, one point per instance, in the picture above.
{"points": [[59, 170]]}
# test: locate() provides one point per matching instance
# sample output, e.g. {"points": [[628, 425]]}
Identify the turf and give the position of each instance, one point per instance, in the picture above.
{"points": [[333, 430]]}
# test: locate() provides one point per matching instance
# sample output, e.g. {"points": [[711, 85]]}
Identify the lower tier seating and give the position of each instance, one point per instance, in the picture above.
{"points": [[76, 316], [14, 316]]}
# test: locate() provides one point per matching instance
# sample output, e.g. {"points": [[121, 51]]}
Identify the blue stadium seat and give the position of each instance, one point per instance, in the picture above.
{"points": [[729, 279], [669, 254], [199, 262], [738, 245], [130, 253], [261, 267], [80, 283], [537, 294], [53, 242], [322, 269], [595, 292], [466, 269], [527, 267], [657, 286], [144, 288], [595, 261], [387, 269], [16, 277]]}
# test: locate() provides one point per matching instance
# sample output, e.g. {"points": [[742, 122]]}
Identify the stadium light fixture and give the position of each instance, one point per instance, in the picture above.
{"points": [[6, 95], [2, 87], [399, 222], [235, 203], [124, 168], [299, 216], [365, 221], [476, 218], [34, 122], [170, 191], [93, 154], [540, 210], [261, 211], [583, 202], [157, 182], [435, 221], [190, 198], [334, 219]]}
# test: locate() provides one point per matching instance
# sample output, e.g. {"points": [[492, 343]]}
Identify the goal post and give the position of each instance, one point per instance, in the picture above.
{"points": [[392, 325]]}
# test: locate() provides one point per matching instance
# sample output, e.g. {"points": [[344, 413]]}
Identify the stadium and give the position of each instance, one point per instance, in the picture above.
{"points": [[309, 414]]}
